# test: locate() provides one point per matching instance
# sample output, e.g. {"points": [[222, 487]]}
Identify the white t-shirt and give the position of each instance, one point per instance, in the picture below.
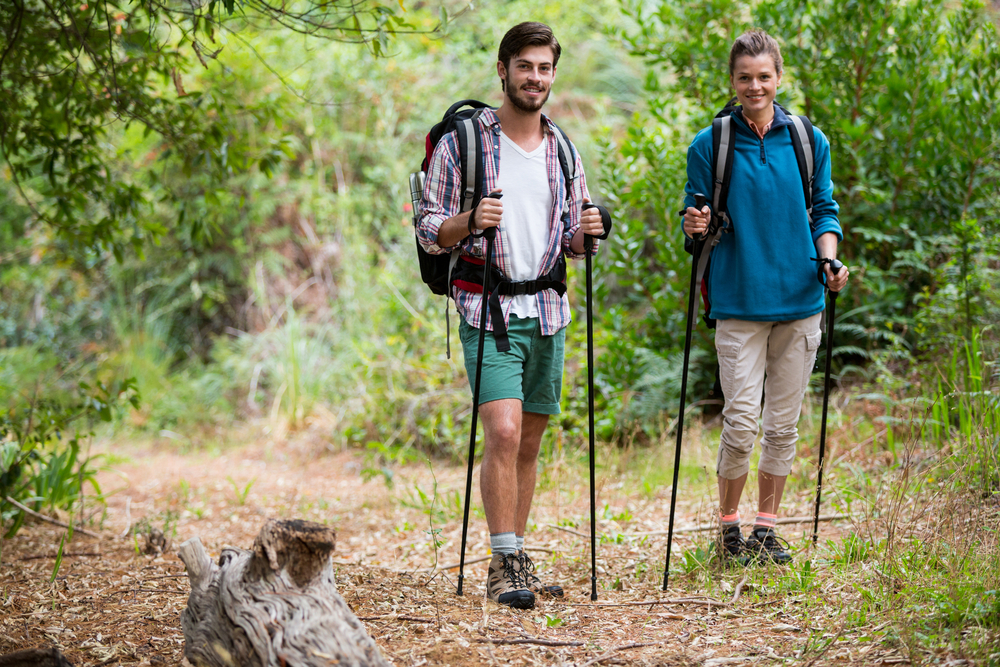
{"points": [[527, 205]]}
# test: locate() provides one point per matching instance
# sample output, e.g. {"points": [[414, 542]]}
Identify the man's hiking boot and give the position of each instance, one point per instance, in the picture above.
{"points": [[766, 547], [535, 584], [506, 582], [732, 548]]}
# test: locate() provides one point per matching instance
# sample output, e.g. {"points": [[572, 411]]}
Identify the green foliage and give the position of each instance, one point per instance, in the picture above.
{"points": [[553, 621], [851, 549], [243, 492], [47, 413], [71, 69]]}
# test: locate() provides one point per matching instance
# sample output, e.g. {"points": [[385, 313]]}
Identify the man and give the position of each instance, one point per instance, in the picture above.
{"points": [[540, 220]]}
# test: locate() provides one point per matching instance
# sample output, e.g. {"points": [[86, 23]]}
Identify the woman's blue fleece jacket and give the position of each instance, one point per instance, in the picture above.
{"points": [[763, 271]]}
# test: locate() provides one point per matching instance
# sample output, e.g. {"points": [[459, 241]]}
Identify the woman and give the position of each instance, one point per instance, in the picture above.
{"points": [[763, 288]]}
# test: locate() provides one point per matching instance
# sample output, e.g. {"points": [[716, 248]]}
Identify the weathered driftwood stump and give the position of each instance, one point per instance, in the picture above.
{"points": [[274, 606], [35, 658]]}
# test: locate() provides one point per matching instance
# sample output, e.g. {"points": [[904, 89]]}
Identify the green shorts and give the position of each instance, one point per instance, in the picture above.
{"points": [[531, 371]]}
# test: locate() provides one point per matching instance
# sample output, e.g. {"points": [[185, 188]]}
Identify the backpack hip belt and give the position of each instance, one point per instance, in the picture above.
{"points": [[468, 276]]}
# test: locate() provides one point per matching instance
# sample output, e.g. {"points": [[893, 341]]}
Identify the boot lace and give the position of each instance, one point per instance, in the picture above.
{"points": [[772, 542], [528, 568], [513, 570]]}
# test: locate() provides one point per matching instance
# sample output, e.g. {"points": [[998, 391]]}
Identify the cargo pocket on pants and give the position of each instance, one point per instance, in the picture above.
{"points": [[812, 345], [729, 353]]}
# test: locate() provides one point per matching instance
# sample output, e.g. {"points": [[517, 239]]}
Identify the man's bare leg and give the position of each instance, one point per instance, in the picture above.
{"points": [[498, 474], [532, 428]]}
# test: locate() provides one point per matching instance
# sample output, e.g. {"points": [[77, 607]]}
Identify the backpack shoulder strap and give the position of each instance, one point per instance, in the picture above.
{"points": [[723, 146], [470, 157], [567, 158], [801, 130]]}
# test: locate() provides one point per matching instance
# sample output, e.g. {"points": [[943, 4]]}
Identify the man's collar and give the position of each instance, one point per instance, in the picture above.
{"points": [[489, 117]]}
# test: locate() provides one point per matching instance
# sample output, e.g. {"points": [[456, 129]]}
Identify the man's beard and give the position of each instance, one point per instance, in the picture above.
{"points": [[526, 104]]}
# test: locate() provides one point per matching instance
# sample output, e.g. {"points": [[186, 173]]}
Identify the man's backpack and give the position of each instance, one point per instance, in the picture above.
{"points": [[723, 147], [436, 270]]}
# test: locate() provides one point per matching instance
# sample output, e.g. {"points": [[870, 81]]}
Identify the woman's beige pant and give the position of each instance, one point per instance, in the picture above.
{"points": [[776, 357]]}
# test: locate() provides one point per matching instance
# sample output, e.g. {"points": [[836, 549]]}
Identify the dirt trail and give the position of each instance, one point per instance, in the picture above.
{"points": [[111, 603]]}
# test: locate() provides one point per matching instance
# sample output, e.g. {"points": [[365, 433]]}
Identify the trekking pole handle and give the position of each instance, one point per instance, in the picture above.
{"points": [[490, 233], [835, 266], [588, 240], [700, 201]]}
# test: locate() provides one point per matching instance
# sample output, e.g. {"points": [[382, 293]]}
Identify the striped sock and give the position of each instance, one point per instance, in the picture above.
{"points": [[729, 520], [765, 520]]}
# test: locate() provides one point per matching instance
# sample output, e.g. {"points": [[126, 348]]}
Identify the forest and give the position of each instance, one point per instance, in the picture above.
{"points": [[211, 314]]}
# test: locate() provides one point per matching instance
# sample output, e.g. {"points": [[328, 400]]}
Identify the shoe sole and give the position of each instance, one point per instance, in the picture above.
{"points": [[766, 559], [519, 602]]}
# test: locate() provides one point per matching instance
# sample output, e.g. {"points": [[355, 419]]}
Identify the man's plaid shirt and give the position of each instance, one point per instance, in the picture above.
{"points": [[442, 200]]}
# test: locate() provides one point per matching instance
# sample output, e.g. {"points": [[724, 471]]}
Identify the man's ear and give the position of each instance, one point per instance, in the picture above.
{"points": [[501, 70]]}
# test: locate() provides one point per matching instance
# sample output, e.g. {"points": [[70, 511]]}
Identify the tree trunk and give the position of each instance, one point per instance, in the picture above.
{"points": [[274, 606]]}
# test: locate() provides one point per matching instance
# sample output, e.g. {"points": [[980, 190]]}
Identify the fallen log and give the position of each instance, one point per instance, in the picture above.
{"points": [[273, 606]]}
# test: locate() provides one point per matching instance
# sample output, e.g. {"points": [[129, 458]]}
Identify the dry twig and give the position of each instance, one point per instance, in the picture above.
{"points": [[68, 554], [48, 519], [707, 602], [781, 522], [128, 517], [567, 530], [607, 654], [739, 589], [528, 640]]}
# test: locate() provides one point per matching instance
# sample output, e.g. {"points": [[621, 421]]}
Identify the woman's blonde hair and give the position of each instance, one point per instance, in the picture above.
{"points": [[755, 43]]}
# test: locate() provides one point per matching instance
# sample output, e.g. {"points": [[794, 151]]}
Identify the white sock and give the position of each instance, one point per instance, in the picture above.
{"points": [[503, 543]]}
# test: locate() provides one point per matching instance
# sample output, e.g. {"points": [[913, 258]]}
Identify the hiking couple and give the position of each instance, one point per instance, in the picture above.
{"points": [[764, 291]]}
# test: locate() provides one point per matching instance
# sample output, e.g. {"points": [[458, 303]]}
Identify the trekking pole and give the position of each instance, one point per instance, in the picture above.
{"points": [[489, 235], [835, 267], [699, 203], [588, 244]]}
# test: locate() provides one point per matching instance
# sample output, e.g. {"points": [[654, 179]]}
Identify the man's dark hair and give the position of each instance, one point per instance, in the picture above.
{"points": [[755, 43], [523, 35]]}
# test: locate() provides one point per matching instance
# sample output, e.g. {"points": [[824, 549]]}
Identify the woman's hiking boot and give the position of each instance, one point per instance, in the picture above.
{"points": [[506, 582], [535, 584], [766, 547], [732, 547]]}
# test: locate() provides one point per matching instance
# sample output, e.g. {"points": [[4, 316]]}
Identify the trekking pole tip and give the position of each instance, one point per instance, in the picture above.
{"points": [[593, 589], [461, 578]]}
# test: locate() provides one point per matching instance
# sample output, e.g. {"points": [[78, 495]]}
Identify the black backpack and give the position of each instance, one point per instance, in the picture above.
{"points": [[437, 270], [723, 146]]}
